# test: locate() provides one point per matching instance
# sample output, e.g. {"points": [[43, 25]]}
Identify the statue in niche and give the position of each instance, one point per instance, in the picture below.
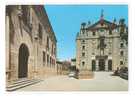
{"points": [[101, 45]]}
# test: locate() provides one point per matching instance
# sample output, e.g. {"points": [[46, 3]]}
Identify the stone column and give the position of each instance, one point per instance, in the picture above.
{"points": [[97, 67], [35, 56], [7, 48], [106, 65]]}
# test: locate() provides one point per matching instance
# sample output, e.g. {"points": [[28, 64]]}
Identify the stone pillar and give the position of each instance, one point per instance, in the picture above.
{"points": [[106, 65], [97, 67], [35, 56], [7, 49]]}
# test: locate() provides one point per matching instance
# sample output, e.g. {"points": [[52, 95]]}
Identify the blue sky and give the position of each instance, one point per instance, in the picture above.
{"points": [[66, 20]]}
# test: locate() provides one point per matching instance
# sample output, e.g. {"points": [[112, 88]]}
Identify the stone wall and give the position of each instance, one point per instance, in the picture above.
{"points": [[39, 64]]}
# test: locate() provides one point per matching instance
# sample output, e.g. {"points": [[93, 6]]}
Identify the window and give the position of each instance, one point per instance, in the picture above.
{"points": [[83, 54], [93, 33], [121, 53], [109, 64], [109, 53], [102, 44], [47, 42], [93, 53], [52, 49], [83, 63], [110, 32], [121, 45], [83, 47], [50, 61], [102, 30], [47, 59], [54, 63], [83, 31], [93, 65], [40, 31], [26, 16], [121, 62], [44, 57], [83, 41]]}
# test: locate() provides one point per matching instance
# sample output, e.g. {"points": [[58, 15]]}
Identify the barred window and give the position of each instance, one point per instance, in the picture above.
{"points": [[83, 63], [83, 54], [83, 47], [121, 45]]}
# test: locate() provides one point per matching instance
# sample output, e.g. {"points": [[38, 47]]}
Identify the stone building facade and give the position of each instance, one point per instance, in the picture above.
{"points": [[102, 46], [30, 43]]}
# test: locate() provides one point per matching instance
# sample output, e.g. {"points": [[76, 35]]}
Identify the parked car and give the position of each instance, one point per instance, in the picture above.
{"points": [[123, 73]]}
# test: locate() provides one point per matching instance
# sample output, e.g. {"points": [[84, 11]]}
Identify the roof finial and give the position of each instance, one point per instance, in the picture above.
{"points": [[102, 14]]}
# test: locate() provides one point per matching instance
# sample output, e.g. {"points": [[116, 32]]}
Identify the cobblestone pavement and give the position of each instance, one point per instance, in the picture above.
{"points": [[102, 81]]}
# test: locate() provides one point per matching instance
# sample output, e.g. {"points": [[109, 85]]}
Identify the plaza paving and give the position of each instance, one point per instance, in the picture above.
{"points": [[102, 81]]}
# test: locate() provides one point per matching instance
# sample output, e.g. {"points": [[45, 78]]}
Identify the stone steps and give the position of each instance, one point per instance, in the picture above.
{"points": [[21, 83]]}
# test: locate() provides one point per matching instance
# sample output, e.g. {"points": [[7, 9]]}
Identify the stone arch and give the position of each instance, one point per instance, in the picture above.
{"points": [[18, 40], [101, 64], [93, 65], [23, 61], [109, 64]]}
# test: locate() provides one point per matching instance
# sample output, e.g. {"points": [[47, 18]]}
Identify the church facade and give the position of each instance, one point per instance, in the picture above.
{"points": [[102, 46], [30, 43]]}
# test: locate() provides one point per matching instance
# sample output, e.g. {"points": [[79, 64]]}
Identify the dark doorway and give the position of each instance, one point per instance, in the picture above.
{"points": [[101, 64], [23, 61], [109, 64], [93, 65]]}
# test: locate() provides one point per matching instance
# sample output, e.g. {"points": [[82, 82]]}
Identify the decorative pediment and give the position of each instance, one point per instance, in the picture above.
{"points": [[102, 24]]}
